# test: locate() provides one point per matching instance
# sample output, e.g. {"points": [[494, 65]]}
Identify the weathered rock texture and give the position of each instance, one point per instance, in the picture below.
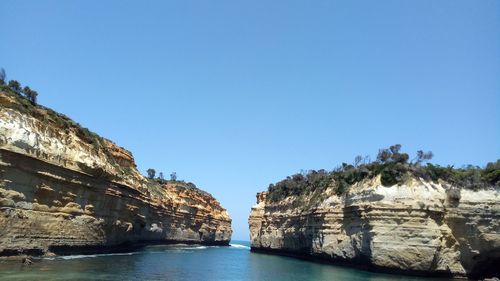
{"points": [[64, 189], [419, 227]]}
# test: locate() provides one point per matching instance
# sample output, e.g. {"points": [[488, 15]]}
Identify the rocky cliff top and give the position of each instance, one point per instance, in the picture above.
{"points": [[44, 134], [391, 168]]}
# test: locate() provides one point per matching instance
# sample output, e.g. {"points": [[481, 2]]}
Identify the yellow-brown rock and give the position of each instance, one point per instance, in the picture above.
{"points": [[418, 227], [65, 189]]}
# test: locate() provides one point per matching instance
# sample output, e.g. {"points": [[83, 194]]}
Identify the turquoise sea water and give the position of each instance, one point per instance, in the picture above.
{"points": [[182, 262]]}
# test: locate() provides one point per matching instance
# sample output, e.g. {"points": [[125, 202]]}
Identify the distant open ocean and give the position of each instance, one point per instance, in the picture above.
{"points": [[186, 262]]}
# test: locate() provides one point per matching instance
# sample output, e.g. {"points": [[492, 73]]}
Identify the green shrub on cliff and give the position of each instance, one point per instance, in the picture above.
{"points": [[15, 86], [299, 183], [30, 94], [470, 177], [394, 169]]}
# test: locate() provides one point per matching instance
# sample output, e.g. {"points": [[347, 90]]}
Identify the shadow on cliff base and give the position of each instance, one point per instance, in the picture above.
{"points": [[487, 265]]}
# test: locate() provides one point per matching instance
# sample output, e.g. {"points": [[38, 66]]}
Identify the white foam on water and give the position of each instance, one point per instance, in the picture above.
{"points": [[72, 257], [239, 246], [193, 248], [174, 249]]}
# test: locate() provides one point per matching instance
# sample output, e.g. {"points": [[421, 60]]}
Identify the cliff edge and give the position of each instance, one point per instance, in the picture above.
{"points": [[418, 226], [64, 189]]}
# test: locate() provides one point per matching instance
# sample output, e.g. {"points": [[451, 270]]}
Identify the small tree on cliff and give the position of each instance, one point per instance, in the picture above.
{"points": [[151, 173], [2, 76], [173, 176], [30, 94], [396, 156], [15, 86], [383, 155], [424, 156], [160, 177], [395, 148], [357, 160]]}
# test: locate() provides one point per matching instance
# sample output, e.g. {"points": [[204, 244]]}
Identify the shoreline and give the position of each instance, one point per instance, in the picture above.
{"points": [[53, 251]]}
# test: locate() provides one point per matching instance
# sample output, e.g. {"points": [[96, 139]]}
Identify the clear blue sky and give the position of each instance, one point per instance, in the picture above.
{"points": [[234, 95]]}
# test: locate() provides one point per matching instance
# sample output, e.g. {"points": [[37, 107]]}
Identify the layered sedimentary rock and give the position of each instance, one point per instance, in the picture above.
{"points": [[64, 189], [419, 227]]}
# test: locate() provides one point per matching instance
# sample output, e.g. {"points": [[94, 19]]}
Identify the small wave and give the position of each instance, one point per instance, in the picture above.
{"points": [[72, 257], [193, 248], [239, 246]]}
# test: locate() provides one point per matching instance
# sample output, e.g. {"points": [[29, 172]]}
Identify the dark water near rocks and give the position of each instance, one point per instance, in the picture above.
{"points": [[182, 262]]}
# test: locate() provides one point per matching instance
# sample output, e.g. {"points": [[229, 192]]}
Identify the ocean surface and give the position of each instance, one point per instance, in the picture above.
{"points": [[186, 262]]}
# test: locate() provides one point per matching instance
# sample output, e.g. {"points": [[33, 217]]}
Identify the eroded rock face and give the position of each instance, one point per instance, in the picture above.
{"points": [[60, 192], [419, 227]]}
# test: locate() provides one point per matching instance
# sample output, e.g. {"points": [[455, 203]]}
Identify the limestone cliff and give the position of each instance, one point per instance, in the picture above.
{"points": [[65, 189], [417, 227]]}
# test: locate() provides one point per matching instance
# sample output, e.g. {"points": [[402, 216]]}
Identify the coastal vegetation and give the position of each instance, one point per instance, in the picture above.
{"points": [[15, 86], [393, 167], [151, 173], [161, 179], [24, 100], [156, 185]]}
